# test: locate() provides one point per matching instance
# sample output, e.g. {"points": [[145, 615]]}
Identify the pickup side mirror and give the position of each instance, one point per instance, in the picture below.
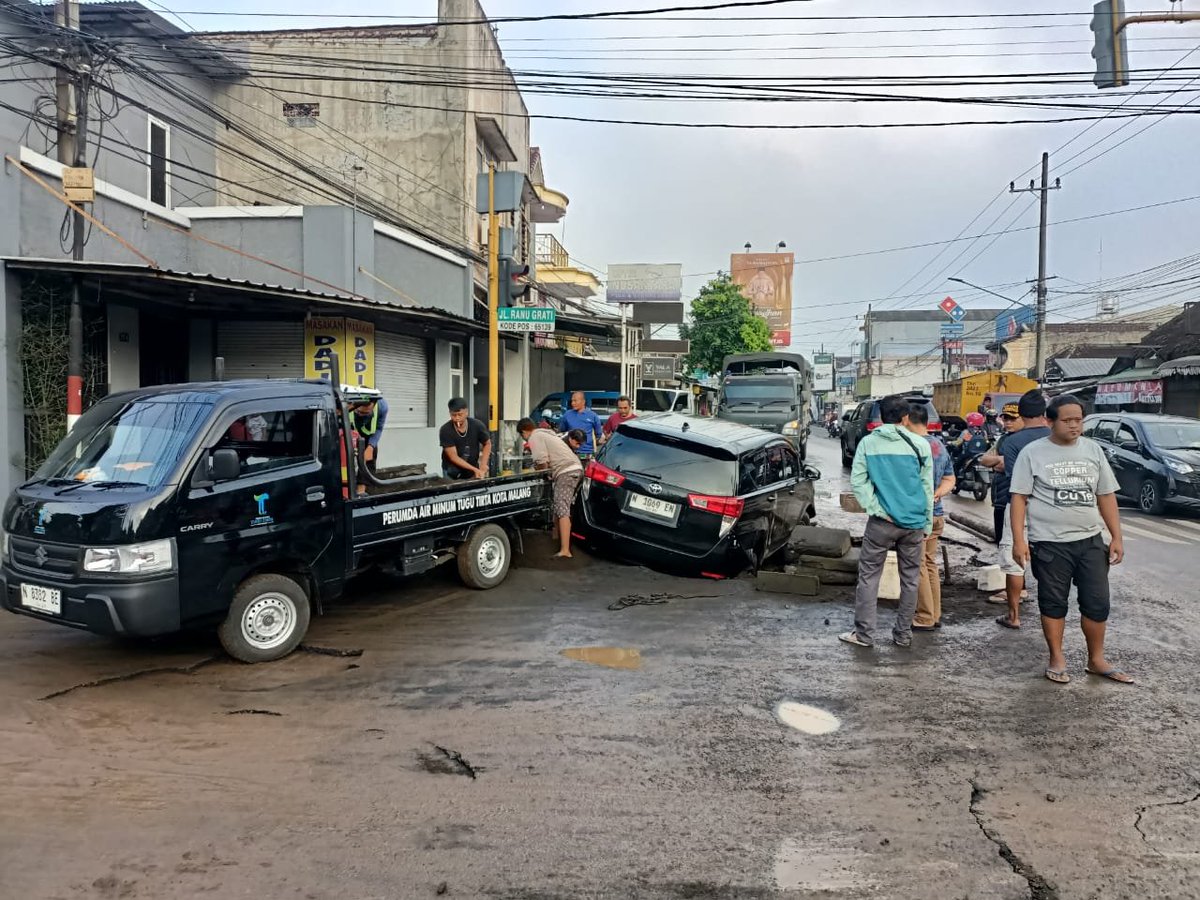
{"points": [[224, 464], [1131, 446], [845, 417]]}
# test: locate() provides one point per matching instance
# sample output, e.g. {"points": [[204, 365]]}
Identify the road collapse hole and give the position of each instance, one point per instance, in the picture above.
{"points": [[609, 657], [807, 719]]}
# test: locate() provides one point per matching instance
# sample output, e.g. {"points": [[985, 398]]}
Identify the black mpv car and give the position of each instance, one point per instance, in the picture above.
{"points": [[864, 418], [1155, 458], [699, 496]]}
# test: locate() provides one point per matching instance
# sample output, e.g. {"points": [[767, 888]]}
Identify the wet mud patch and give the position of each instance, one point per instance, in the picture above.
{"points": [[609, 657]]}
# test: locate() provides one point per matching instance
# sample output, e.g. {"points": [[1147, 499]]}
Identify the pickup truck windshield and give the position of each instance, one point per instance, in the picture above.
{"points": [[120, 442]]}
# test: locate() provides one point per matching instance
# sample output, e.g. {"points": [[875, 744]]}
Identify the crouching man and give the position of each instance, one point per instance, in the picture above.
{"points": [[559, 455]]}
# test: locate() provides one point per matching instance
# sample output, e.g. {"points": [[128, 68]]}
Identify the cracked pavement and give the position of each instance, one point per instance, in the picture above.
{"points": [[448, 748]]}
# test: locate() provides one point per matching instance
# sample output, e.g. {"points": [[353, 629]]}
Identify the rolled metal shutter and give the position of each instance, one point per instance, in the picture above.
{"points": [[261, 349], [402, 376]]}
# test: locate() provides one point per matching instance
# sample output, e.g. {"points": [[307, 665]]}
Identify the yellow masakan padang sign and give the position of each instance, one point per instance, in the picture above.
{"points": [[351, 339]]}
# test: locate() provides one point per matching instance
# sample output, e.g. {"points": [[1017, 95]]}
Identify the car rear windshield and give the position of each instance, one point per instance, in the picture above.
{"points": [[694, 468], [924, 401]]}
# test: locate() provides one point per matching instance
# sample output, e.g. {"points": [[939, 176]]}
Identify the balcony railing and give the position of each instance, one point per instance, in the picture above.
{"points": [[550, 253]]}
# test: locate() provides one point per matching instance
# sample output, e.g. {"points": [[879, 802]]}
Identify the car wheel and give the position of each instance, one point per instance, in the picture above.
{"points": [[484, 557], [267, 620], [847, 458], [1150, 497]]}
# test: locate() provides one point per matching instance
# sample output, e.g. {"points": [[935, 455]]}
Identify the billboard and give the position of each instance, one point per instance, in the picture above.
{"points": [[1008, 323], [642, 282], [766, 278], [822, 372]]}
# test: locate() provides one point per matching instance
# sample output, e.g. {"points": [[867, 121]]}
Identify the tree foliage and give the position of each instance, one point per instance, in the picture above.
{"points": [[722, 323]]}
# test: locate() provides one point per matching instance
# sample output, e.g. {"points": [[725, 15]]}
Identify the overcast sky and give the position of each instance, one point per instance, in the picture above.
{"points": [[643, 194]]}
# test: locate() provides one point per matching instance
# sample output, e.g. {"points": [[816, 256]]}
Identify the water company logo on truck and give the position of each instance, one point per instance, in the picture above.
{"points": [[263, 518], [429, 509]]}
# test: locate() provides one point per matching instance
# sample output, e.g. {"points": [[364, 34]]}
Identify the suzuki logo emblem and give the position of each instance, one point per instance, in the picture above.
{"points": [[40, 555], [654, 488]]}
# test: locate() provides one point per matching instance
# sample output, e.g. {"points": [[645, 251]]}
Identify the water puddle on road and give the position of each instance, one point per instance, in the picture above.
{"points": [[610, 657], [800, 867], [807, 719]]}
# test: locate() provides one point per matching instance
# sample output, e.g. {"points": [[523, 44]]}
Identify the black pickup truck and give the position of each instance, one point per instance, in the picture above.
{"points": [[232, 504]]}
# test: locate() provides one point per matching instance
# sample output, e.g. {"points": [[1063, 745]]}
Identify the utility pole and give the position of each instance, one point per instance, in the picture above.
{"points": [[493, 312], [73, 77], [1044, 190]]}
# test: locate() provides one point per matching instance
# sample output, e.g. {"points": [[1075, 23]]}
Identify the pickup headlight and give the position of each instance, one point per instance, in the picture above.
{"points": [[1176, 466], [132, 559], [792, 428]]}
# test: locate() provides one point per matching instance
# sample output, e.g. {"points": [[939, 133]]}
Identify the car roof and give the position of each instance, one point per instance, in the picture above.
{"points": [[247, 389], [719, 434], [1143, 417]]}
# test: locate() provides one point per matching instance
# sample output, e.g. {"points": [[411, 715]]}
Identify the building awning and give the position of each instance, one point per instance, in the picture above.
{"points": [[1185, 365], [204, 294], [494, 139]]}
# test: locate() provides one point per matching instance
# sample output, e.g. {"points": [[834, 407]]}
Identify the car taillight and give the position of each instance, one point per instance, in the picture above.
{"points": [[871, 426], [603, 474], [935, 426], [718, 506]]}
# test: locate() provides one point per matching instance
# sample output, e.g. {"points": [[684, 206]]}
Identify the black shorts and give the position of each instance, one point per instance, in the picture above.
{"points": [[1057, 565]]}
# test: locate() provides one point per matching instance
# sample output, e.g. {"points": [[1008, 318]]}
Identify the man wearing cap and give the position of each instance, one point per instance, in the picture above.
{"points": [[1011, 419], [1032, 409]]}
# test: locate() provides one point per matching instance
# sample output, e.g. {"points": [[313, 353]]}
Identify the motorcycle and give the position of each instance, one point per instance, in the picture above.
{"points": [[976, 479], [834, 428]]}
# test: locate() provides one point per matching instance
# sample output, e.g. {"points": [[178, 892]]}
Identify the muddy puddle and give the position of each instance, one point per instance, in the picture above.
{"points": [[609, 657]]}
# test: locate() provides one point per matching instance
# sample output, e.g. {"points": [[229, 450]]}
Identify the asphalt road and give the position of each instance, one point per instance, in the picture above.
{"points": [[455, 750]]}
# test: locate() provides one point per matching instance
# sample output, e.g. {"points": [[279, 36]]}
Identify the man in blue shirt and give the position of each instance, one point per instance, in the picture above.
{"points": [[1032, 407], [929, 588], [586, 420]]}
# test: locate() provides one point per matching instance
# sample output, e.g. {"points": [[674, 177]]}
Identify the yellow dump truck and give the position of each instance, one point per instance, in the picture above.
{"points": [[955, 399]]}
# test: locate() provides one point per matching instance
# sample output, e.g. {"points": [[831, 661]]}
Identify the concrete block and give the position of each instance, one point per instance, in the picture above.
{"points": [[889, 583], [787, 583], [850, 503], [990, 578], [813, 540], [847, 563]]}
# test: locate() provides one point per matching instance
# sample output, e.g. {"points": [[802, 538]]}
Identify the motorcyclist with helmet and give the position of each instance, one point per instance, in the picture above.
{"points": [[970, 443]]}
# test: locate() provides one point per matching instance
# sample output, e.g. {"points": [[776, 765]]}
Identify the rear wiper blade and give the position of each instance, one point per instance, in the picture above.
{"points": [[102, 485], [636, 472]]}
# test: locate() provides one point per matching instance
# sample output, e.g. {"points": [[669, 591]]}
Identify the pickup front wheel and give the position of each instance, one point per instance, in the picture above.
{"points": [[267, 620], [483, 557]]}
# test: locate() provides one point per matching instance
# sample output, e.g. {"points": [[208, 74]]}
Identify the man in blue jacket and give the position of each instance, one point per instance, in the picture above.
{"points": [[892, 479]]}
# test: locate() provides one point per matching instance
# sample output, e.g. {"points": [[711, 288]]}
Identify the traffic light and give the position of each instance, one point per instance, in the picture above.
{"points": [[514, 281], [1111, 51]]}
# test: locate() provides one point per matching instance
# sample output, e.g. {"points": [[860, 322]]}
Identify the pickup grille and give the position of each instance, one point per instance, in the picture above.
{"points": [[41, 558]]}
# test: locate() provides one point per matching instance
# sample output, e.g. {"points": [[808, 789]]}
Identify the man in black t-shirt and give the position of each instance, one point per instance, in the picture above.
{"points": [[466, 444]]}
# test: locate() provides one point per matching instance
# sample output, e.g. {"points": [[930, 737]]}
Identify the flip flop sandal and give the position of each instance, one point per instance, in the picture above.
{"points": [[1058, 676], [1112, 675], [1002, 597], [1003, 620]]}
